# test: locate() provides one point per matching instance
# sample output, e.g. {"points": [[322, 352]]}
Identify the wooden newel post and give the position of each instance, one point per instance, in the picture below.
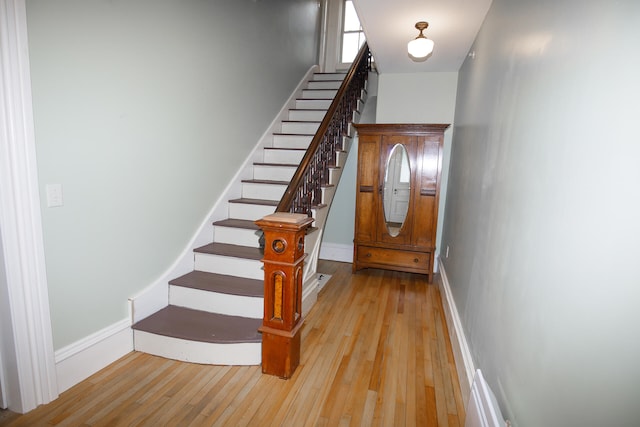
{"points": [[283, 261]]}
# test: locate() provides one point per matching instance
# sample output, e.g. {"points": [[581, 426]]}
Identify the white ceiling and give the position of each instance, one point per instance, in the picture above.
{"points": [[389, 25]]}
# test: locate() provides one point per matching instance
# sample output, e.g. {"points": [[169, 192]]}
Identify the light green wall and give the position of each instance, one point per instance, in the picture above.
{"points": [[543, 207], [417, 97], [401, 98], [144, 110], [340, 221]]}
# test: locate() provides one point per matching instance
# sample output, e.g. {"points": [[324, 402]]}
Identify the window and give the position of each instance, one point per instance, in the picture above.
{"points": [[352, 34]]}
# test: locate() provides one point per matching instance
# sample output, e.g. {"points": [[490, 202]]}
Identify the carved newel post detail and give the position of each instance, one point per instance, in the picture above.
{"points": [[283, 261]]}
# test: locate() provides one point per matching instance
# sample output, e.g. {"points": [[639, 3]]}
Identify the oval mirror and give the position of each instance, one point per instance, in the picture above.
{"points": [[396, 190]]}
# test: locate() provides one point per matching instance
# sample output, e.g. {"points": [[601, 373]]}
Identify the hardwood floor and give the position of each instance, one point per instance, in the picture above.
{"points": [[375, 351]]}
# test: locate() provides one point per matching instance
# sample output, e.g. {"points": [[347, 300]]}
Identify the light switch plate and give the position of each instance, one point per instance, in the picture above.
{"points": [[54, 195]]}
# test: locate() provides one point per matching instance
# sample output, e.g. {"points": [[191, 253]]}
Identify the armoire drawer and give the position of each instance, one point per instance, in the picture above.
{"points": [[393, 257]]}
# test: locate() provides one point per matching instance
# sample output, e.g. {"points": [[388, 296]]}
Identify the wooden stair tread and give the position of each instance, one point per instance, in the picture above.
{"points": [[221, 283], [284, 148], [307, 109], [291, 165], [265, 181], [255, 202], [237, 223], [202, 326], [293, 134], [245, 223], [235, 251]]}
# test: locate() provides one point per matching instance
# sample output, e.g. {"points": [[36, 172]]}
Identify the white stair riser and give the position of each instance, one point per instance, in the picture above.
{"points": [[300, 127], [283, 156], [250, 212], [292, 141], [324, 84], [252, 190], [341, 158], [351, 130], [274, 173], [312, 115], [198, 352], [313, 104], [328, 76], [319, 94], [327, 194], [231, 266], [235, 236], [214, 302], [346, 143], [334, 176]]}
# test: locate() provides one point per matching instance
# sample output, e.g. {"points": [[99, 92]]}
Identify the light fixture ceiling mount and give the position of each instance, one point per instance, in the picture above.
{"points": [[420, 47]]}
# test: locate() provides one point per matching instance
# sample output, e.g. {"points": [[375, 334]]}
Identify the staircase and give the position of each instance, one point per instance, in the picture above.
{"points": [[215, 310]]}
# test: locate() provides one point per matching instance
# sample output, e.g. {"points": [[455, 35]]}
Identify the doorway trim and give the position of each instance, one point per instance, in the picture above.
{"points": [[28, 357]]}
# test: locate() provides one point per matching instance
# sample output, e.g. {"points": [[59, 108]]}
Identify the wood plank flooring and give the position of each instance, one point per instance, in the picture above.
{"points": [[375, 352]]}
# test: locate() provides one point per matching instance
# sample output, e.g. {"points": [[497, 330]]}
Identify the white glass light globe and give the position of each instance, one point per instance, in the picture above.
{"points": [[420, 47]]}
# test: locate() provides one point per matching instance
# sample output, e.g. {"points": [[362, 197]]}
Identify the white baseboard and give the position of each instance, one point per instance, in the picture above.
{"points": [[336, 252], [309, 294], [459, 344], [78, 361], [323, 279]]}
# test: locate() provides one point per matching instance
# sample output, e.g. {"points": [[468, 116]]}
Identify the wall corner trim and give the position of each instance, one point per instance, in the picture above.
{"points": [[461, 353], [81, 359]]}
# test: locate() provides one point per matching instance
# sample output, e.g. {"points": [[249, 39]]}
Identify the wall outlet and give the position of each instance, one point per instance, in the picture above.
{"points": [[54, 195]]}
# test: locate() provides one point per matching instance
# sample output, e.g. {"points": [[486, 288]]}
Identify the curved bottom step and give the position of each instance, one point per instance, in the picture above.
{"points": [[200, 337]]}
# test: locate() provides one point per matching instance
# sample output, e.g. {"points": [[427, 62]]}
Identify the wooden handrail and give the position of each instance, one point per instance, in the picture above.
{"points": [[304, 190]]}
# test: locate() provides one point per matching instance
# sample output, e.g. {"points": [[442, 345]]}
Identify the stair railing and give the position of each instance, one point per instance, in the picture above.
{"points": [[305, 189]]}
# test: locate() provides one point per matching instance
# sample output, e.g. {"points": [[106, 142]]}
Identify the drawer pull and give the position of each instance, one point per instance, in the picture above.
{"points": [[368, 254], [416, 260]]}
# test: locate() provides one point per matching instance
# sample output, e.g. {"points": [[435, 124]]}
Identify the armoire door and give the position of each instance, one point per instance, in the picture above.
{"points": [[426, 190], [367, 191]]}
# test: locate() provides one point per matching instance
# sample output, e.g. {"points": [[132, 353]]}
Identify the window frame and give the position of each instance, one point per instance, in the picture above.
{"points": [[360, 31]]}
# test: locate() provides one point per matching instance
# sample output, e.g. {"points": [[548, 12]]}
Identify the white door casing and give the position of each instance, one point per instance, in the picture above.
{"points": [[27, 344], [3, 283]]}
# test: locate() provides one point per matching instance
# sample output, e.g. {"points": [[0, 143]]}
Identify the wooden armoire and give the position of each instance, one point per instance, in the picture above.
{"points": [[397, 194]]}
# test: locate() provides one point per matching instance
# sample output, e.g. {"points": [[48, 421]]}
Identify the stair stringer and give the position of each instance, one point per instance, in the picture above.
{"points": [[155, 296]]}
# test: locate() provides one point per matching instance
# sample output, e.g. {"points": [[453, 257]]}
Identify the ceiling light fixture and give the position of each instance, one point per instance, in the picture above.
{"points": [[420, 47]]}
